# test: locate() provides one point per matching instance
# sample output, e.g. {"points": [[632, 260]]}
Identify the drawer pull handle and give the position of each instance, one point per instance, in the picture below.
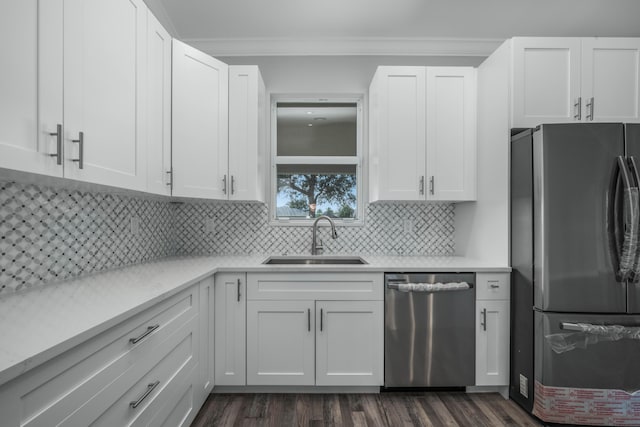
{"points": [[150, 388], [144, 334], [494, 286]]}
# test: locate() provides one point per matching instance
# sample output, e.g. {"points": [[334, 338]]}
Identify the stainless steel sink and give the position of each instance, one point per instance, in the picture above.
{"points": [[315, 259]]}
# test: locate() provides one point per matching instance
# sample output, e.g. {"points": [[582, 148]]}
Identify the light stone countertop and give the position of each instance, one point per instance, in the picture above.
{"points": [[41, 323]]}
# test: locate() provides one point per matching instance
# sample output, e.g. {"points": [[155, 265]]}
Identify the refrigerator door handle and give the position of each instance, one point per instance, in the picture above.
{"points": [[633, 166], [628, 249]]}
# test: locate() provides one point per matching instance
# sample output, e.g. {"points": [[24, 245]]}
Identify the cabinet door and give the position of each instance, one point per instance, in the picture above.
{"points": [[246, 133], [205, 379], [280, 343], [546, 80], [492, 342], [399, 133], [451, 133], [611, 79], [158, 107], [230, 329], [199, 124], [104, 75], [31, 86], [349, 343]]}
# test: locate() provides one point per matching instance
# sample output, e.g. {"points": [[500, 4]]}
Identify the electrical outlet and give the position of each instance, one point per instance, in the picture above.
{"points": [[407, 226], [210, 225], [134, 225]]}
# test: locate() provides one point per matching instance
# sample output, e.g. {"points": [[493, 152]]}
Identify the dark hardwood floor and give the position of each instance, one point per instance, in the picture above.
{"points": [[385, 409]]}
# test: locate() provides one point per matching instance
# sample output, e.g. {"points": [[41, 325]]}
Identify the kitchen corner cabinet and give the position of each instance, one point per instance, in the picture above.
{"points": [[247, 133], [323, 329], [423, 133], [89, 71], [158, 107], [575, 79], [492, 329], [199, 124], [230, 329], [143, 371]]}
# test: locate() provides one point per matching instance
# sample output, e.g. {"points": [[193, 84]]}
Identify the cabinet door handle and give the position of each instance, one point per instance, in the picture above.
{"points": [[233, 181], [577, 108], [144, 334], [320, 320], [80, 142], [421, 186], [432, 185], [58, 153], [590, 107], [484, 319], [170, 178], [308, 319], [134, 404], [239, 290], [224, 185]]}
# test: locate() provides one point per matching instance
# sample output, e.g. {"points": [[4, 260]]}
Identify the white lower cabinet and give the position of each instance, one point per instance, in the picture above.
{"points": [[230, 325], [333, 337], [280, 343], [349, 343], [143, 371], [206, 374], [492, 329]]}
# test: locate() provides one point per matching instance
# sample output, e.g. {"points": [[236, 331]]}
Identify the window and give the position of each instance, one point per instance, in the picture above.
{"points": [[316, 160]]}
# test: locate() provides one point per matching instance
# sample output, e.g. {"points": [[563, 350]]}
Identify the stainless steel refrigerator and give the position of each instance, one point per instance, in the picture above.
{"points": [[575, 283]]}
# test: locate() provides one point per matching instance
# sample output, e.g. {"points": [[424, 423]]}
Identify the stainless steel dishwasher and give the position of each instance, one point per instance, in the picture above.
{"points": [[429, 330]]}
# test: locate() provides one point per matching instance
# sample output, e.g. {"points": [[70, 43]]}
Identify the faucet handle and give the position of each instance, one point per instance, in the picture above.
{"points": [[319, 246]]}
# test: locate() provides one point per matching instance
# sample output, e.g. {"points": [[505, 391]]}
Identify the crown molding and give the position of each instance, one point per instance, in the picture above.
{"points": [[374, 46]]}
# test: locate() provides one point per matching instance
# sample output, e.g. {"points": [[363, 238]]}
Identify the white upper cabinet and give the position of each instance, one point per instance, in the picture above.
{"points": [[199, 124], [611, 79], [158, 107], [546, 80], [89, 72], [397, 136], [31, 86], [570, 79], [104, 92], [247, 121], [423, 133], [451, 133]]}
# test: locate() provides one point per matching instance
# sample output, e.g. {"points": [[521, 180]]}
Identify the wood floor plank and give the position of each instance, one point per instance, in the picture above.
{"points": [[425, 409], [463, 410]]}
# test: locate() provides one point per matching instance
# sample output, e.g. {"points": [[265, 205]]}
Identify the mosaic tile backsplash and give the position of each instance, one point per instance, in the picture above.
{"points": [[50, 235], [244, 228]]}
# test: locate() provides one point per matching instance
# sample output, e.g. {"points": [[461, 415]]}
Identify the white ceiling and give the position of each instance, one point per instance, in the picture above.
{"points": [[386, 27]]}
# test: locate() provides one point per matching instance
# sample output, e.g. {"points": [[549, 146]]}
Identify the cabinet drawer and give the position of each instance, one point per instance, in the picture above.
{"points": [[310, 286], [161, 375], [52, 392], [492, 286]]}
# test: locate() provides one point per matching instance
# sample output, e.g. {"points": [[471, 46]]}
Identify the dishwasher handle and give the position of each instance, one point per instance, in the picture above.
{"points": [[404, 286]]}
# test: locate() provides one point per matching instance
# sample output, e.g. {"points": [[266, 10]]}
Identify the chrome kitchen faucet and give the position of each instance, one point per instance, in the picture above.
{"points": [[316, 248]]}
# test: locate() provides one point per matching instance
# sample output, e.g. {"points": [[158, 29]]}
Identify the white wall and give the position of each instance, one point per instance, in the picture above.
{"points": [[482, 227]]}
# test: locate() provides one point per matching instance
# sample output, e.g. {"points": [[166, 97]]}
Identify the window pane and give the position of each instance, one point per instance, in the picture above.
{"points": [[308, 191], [316, 129]]}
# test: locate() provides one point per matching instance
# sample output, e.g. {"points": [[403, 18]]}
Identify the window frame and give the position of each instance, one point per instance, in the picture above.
{"points": [[356, 160]]}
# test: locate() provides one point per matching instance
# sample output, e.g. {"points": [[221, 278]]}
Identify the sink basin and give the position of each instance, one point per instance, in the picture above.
{"points": [[317, 259]]}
